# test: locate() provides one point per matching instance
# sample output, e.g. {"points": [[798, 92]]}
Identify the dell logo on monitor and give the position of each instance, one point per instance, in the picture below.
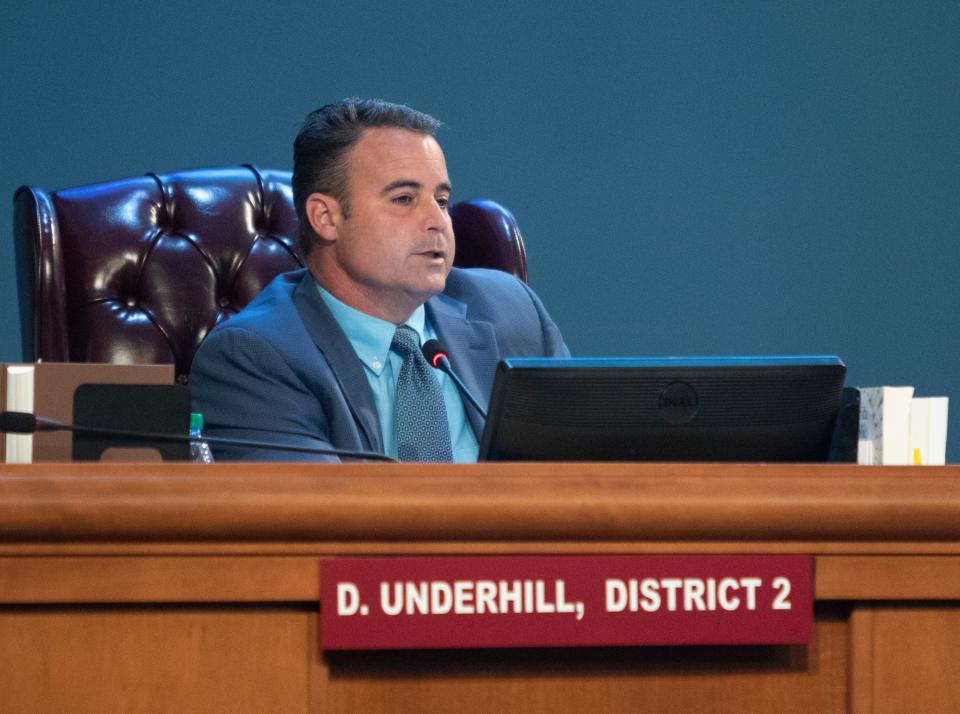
{"points": [[678, 403]]}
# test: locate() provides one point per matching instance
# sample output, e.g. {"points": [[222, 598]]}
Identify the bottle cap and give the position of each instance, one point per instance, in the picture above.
{"points": [[196, 422]]}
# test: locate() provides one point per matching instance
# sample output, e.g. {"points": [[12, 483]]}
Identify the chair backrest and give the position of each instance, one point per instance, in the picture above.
{"points": [[138, 271]]}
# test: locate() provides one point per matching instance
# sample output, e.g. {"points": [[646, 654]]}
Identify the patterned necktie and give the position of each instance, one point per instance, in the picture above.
{"points": [[422, 430]]}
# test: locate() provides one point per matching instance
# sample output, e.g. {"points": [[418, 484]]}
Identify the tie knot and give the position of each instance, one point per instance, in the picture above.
{"points": [[406, 341]]}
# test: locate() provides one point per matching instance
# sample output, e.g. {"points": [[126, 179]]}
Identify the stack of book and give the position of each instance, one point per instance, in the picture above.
{"points": [[898, 428]]}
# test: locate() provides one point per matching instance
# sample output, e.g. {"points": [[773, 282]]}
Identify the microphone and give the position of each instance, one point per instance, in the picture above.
{"points": [[26, 423], [437, 356], [18, 423]]}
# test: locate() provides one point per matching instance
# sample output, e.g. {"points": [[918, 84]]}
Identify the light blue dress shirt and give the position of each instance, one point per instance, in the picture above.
{"points": [[371, 338]]}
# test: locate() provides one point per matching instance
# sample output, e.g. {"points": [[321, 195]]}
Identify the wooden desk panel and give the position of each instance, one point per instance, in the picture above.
{"points": [[188, 588], [152, 659]]}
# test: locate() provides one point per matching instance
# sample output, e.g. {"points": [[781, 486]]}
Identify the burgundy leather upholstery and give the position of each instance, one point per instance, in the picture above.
{"points": [[140, 270], [488, 237]]}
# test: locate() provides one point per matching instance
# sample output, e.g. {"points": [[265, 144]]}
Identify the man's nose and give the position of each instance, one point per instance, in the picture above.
{"points": [[436, 217]]}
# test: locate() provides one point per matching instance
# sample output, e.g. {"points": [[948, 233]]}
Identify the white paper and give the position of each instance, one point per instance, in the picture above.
{"points": [[885, 420], [20, 399], [928, 430]]}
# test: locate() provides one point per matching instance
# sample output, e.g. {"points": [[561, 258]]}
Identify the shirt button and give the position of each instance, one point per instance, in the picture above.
{"points": [[376, 364]]}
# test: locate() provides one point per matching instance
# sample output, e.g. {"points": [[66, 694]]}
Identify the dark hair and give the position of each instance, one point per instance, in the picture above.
{"points": [[326, 137]]}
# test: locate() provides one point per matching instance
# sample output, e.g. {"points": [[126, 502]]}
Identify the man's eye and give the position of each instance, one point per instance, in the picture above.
{"points": [[402, 200], [444, 203]]}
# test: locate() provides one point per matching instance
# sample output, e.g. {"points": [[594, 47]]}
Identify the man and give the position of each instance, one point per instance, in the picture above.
{"points": [[329, 356]]}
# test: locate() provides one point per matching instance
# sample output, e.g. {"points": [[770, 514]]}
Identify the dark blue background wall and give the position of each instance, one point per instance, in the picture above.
{"points": [[691, 178]]}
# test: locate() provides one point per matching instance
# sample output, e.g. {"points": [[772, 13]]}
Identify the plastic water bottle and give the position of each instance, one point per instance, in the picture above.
{"points": [[199, 448]]}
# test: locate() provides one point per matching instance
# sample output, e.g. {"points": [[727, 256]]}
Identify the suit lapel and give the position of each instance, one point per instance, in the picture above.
{"points": [[473, 351], [340, 355]]}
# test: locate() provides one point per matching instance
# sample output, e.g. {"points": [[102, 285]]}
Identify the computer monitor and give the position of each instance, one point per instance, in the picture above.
{"points": [[664, 409]]}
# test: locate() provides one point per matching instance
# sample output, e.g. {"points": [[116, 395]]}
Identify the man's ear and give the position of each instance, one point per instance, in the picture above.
{"points": [[324, 214]]}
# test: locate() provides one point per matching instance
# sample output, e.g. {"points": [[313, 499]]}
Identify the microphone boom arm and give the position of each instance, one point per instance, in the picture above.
{"points": [[16, 422]]}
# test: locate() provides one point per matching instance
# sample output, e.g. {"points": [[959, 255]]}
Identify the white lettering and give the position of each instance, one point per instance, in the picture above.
{"points": [[463, 597], [562, 604], [616, 600], [751, 585], [486, 596], [671, 585], [394, 607], [441, 598], [651, 595], [689, 594], [711, 594], [542, 604], [510, 593], [418, 599], [348, 599], [693, 589], [726, 601], [782, 586]]}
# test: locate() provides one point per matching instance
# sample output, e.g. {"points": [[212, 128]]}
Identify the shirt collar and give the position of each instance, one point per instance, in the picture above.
{"points": [[370, 336]]}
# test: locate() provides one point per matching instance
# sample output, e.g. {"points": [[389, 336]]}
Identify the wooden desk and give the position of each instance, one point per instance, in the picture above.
{"points": [[189, 588]]}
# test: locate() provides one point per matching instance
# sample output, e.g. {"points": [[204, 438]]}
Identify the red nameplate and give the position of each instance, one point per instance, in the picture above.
{"points": [[565, 601]]}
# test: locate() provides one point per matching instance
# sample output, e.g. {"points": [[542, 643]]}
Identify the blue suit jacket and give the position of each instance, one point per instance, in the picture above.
{"points": [[282, 370]]}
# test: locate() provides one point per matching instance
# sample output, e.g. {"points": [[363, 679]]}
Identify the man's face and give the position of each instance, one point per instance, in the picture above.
{"points": [[395, 250]]}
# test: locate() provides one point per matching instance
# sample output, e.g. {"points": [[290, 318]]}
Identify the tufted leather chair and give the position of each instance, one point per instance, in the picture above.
{"points": [[140, 270]]}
